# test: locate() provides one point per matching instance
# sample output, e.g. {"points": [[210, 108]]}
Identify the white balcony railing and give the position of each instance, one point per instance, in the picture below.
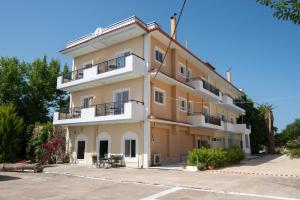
{"points": [[206, 121], [115, 112], [110, 71], [229, 104], [206, 89]]}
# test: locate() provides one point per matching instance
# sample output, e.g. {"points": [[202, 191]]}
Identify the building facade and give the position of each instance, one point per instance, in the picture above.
{"points": [[120, 102]]}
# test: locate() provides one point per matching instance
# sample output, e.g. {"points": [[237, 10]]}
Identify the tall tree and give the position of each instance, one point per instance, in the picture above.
{"points": [[266, 110], [252, 117], [292, 131], [11, 128], [284, 9], [31, 88]]}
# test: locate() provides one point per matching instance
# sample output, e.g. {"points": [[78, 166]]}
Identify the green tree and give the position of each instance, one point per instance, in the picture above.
{"points": [[253, 117], [31, 88], [12, 83], [11, 127], [284, 9], [292, 131]]}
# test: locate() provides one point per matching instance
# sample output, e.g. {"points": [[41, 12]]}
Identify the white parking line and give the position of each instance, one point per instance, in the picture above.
{"points": [[240, 194], [176, 188], [163, 193]]}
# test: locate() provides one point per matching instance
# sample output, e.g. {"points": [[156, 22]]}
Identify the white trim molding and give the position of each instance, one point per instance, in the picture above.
{"points": [[81, 137], [129, 135], [182, 109], [164, 96]]}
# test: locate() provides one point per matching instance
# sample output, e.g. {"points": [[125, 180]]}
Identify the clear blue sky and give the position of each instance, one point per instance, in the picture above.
{"points": [[264, 53]]}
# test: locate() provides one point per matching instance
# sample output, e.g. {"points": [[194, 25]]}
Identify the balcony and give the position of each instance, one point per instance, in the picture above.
{"points": [[207, 90], [237, 128], [107, 72], [114, 112], [228, 103], [205, 121]]}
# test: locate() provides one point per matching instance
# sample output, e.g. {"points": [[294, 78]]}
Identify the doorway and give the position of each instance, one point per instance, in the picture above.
{"points": [[103, 148]]}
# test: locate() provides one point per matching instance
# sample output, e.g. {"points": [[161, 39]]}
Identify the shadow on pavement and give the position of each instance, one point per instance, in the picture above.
{"points": [[8, 178], [267, 158]]}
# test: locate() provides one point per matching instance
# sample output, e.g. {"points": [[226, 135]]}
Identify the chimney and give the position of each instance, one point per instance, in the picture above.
{"points": [[229, 75], [173, 25]]}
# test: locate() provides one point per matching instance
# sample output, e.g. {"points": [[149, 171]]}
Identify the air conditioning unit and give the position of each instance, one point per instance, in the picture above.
{"points": [[156, 159]]}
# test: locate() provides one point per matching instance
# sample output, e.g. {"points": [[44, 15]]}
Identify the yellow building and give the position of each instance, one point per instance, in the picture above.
{"points": [[121, 104]]}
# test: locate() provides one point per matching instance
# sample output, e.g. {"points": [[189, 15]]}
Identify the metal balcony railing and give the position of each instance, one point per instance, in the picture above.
{"points": [[208, 86], [210, 119], [69, 113], [106, 66], [112, 108]]}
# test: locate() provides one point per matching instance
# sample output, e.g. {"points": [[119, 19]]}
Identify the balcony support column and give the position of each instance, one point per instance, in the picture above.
{"points": [[147, 104]]}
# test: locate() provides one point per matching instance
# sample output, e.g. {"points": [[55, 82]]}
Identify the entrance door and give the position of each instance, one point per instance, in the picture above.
{"points": [[80, 150], [103, 148], [120, 98]]}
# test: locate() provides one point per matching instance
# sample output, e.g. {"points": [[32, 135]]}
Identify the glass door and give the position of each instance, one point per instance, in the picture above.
{"points": [[103, 148], [120, 98]]}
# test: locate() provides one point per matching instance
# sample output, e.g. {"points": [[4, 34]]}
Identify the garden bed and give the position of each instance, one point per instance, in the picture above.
{"points": [[205, 158]]}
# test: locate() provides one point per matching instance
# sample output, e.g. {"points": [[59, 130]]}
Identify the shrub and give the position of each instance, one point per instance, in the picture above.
{"points": [[201, 166], [47, 145], [293, 148], [204, 157], [11, 127]]}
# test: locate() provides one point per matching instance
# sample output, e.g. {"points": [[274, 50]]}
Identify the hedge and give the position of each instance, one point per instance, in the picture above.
{"points": [[205, 157]]}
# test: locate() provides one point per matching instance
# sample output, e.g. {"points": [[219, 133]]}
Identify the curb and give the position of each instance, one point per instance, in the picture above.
{"points": [[254, 173]]}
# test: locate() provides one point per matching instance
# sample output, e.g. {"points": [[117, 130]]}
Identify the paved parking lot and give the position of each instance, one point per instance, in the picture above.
{"points": [[79, 182]]}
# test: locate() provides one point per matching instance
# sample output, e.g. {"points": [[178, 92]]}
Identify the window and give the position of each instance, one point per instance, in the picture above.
{"points": [[80, 149], [247, 141], [130, 148], [182, 104], [190, 107], [205, 110], [159, 55], [87, 102], [159, 96], [121, 58], [182, 70], [201, 142], [189, 75], [120, 97]]}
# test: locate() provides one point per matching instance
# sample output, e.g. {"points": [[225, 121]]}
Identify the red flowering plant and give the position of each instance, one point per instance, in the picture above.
{"points": [[53, 151]]}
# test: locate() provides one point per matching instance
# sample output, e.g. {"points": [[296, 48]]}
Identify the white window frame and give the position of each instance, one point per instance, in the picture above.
{"points": [[206, 107], [164, 96], [120, 90], [81, 137], [162, 52], [118, 53], [190, 106], [182, 99], [100, 137], [86, 96], [130, 136], [179, 70]]}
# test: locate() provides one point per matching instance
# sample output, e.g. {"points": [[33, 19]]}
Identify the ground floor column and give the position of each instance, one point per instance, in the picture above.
{"points": [[146, 155]]}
